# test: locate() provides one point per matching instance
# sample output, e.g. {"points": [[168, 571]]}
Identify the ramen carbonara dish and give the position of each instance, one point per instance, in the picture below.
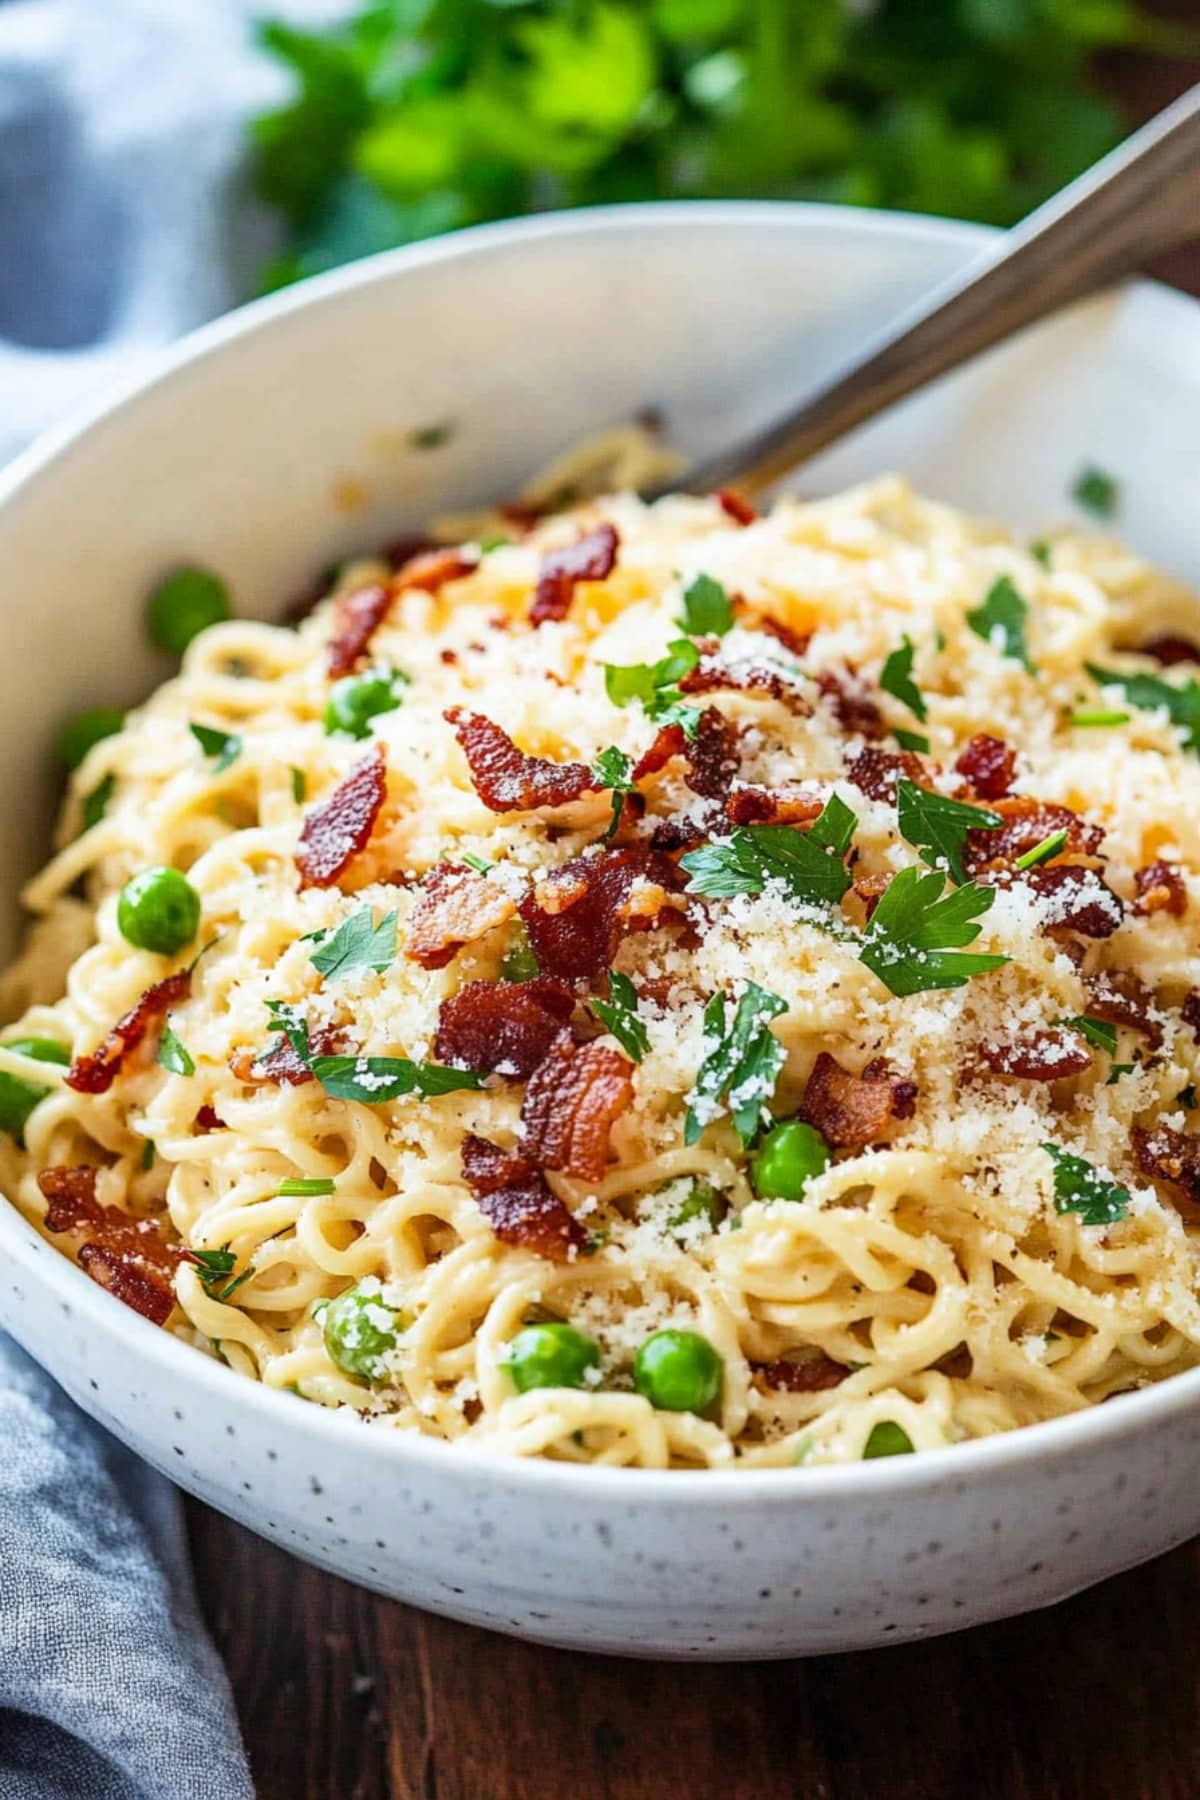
{"points": [[649, 985]]}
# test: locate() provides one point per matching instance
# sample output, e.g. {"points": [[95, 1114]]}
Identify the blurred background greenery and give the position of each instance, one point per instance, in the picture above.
{"points": [[414, 117]]}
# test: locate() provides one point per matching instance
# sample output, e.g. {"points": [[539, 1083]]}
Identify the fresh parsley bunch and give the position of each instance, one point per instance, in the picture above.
{"points": [[414, 117]]}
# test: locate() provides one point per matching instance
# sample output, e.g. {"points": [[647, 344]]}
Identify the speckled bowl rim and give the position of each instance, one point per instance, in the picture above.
{"points": [[1051, 1441]]}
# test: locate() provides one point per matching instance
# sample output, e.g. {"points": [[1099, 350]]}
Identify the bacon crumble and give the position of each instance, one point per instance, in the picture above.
{"points": [[796, 642], [1026, 824], [507, 779], [282, 1065], [574, 1097], [989, 764], [124, 1255], [517, 1202], [431, 569], [1171, 1156], [576, 941], [852, 1110], [95, 1073], [713, 675], [1170, 648], [502, 1027], [1078, 900], [1160, 888], [357, 616], [338, 830], [812, 1376], [590, 558], [455, 906], [1049, 1055], [851, 704], [1121, 998], [735, 506], [876, 773], [793, 804]]}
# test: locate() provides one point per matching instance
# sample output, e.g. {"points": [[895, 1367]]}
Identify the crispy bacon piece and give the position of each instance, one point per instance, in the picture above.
{"points": [[502, 1027], [735, 506], [672, 836], [877, 772], [515, 1200], [1049, 1055], [1079, 900], [125, 1255], [576, 941], [793, 804], [335, 832], [1028, 823], [812, 1376], [796, 642], [1170, 648], [989, 764], [281, 1066], [356, 618], [1161, 888], [431, 569], [505, 778], [712, 755], [455, 906], [852, 705], [852, 1110], [573, 1098], [1120, 997], [1166, 1155], [1190, 1011], [209, 1119], [590, 558], [871, 889], [96, 1073], [713, 675], [669, 741]]}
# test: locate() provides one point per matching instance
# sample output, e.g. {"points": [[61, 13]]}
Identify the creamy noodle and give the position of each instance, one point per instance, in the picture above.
{"points": [[932, 1264]]}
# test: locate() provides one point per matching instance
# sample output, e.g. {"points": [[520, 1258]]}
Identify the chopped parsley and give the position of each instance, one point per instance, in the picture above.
{"points": [[937, 827], [213, 1266], [1150, 692], [430, 437], [916, 934], [1000, 621], [1097, 1031], [896, 678], [911, 740], [809, 863], [656, 686], [741, 1063], [619, 1013], [613, 769], [1041, 552], [1079, 1188], [1040, 853], [224, 746], [480, 864], [299, 786], [172, 1054], [148, 1154], [302, 1187], [707, 608], [96, 804], [358, 943], [371, 1079], [1096, 491], [1097, 715]]}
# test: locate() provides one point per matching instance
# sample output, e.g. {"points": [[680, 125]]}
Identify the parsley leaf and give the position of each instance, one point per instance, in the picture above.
{"points": [[1149, 692], [358, 943], [305, 1187], [225, 746], [742, 1060], [915, 934], [896, 678], [938, 826], [172, 1054], [613, 769], [1097, 1031], [809, 863], [1000, 621], [911, 740], [1079, 1188], [375, 1079], [1096, 491], [707, 608], [656, 686], [1040, 853], [619, 1013], [213, 1266]]}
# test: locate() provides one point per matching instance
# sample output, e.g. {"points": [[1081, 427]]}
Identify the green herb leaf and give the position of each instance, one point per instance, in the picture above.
{"points": [[887, 1439], [1041, 552], [172, 1055], [301, 1187], [707, 608], [742, 1060], [148, 1155], [225, 746], [430, 437], [96, 804], [915, 934], [358, 943], [619, 1013], [1078, 1188], [613, 769], [1097, 715], [213, 1266], [1097, 1031], [656, 686], [938, 826], [1150, 692], [896, 678], [911, 740], [299, 786], [480, 864], [1000, 621], [1040, 853], [375, 1079], [1096, 492], [808, 863]]}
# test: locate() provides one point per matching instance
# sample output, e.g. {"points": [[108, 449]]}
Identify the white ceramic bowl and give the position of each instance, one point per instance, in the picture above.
{"points": [[245, 450]]}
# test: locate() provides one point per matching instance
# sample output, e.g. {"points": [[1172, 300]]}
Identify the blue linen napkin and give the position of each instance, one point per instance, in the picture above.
{"points": [[120, 133]]}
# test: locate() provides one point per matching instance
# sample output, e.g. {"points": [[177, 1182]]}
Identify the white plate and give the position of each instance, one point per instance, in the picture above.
{"points": [[272, 443]]}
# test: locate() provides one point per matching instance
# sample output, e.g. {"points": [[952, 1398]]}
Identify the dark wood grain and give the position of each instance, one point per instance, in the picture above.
{"points": [[346, 1697]]}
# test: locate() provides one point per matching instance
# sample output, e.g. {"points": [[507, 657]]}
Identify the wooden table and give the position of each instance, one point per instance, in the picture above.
{"points": [[343, 1696]]}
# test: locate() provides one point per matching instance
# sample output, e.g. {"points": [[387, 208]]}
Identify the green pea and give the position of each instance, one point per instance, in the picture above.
{"points": [[520, 961], [87, 728], [18, 1098], [159, 910], [357, 699], [551, 1356], [787, 1159], [888, 1439], [703, 1201], [184, 605], [678, 1371], [360, 1328]]}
